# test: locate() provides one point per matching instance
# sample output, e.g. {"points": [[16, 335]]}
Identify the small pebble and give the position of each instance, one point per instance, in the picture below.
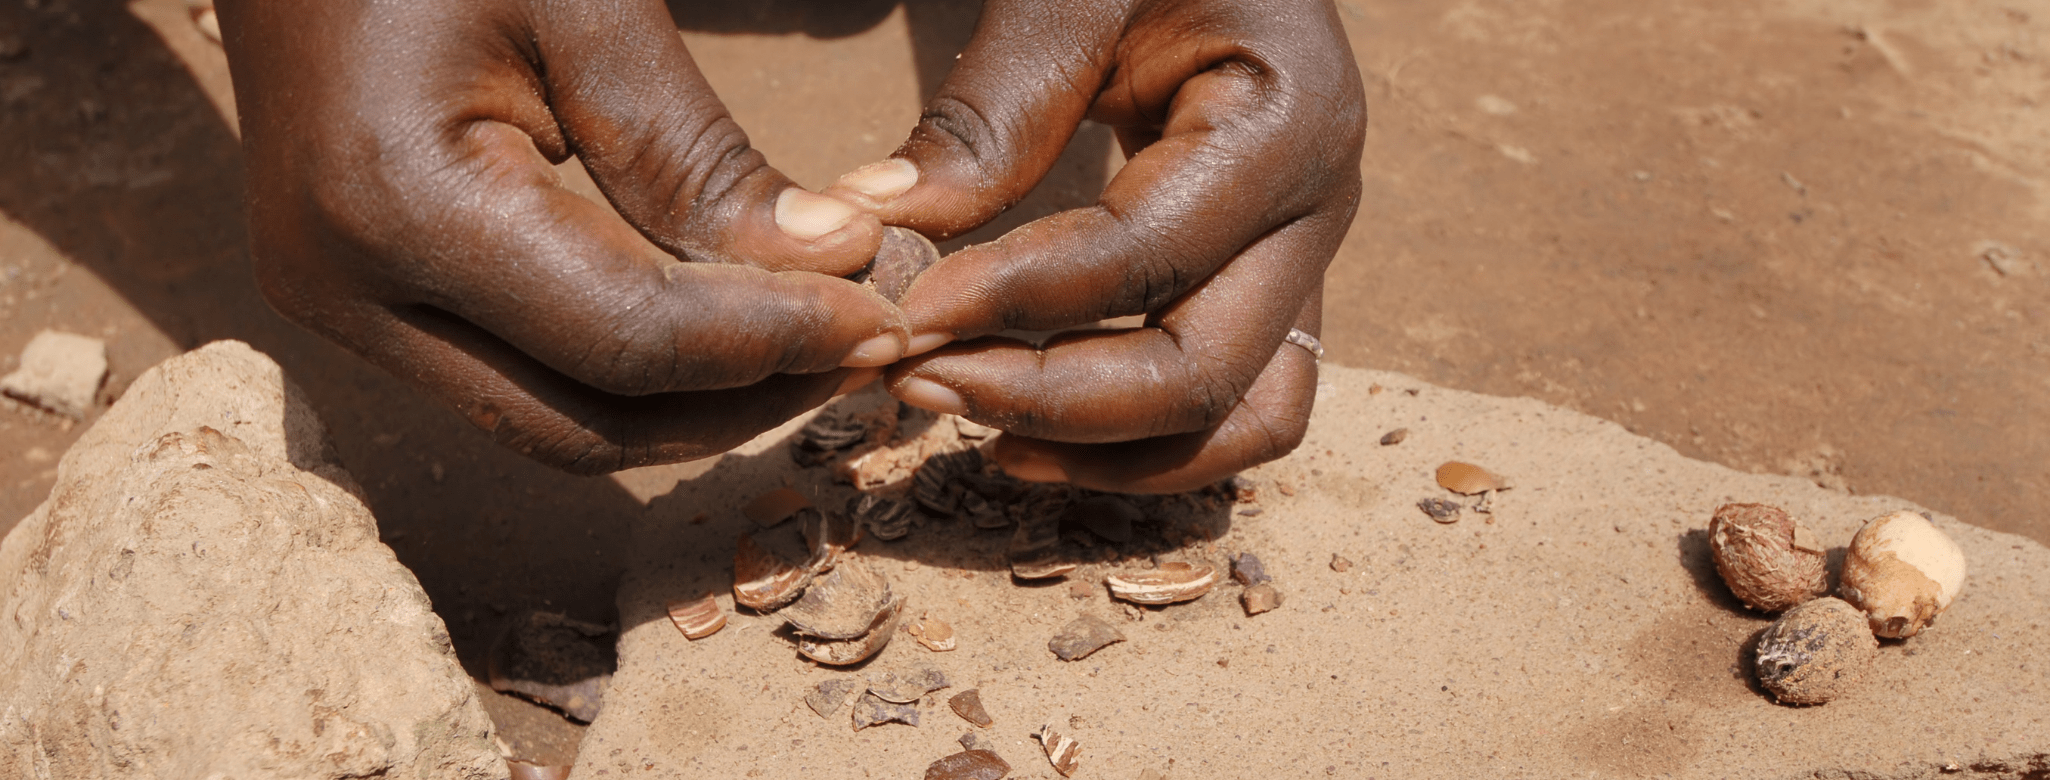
{"points": [[1394, 437], [976, 740], [1260, 598], [1340, 564], [1247, 570]]}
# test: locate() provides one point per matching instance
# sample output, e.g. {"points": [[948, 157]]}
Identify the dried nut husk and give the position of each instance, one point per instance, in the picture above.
{"points": [[968, 705], [763, 580], [886, 518], [1082, 636], [854, 651], [968, 765], [1032, 551], [1767, 559], [1172, 583], [932, 632], [1467, 479], [933, 487], [1260, 598], [775, 506], [1441, 510], [1902, 571], [697, 618], [1815, 652], [1044, 565], [826, 698], [1061, 750], [841, 604]]}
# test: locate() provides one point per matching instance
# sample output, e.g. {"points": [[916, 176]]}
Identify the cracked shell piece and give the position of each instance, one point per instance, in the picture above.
{"points": [[1260, 598], [1467, 479], [986, 514], [1441, 510], [522, 770], [1815, 652], [1032, 554], [772, 508], [697, 618], [556, 660], [1109, 517], [968, 765], [932, 632], [854, 651], [1902, 571], [763, 580], [1767, 559], [1082, 636], [968, 705], [885, 518], [932, 487], [826, 698], [904, 255], [840, 604], [1061, 750], [870, 710], [1174, 582], [908, 688], [827, 536], [976, 740]]}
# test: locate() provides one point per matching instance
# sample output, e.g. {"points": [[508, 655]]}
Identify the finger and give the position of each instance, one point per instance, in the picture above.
{"points": [[1182, 373], [998, 122], [1267, 423], [564, 423], [635, 109], [555, 276], [1249, 135]]}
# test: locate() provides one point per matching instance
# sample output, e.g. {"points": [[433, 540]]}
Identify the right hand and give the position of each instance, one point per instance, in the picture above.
{"points": [[403, 203]]}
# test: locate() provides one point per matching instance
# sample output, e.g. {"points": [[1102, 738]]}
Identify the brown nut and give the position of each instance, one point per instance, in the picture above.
{"points": [[1767, 559], [1902, 571], [1815, 652]]}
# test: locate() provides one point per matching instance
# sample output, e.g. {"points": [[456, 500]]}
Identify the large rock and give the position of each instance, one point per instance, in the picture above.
{"points": [[1579, 631], [204, 596]]}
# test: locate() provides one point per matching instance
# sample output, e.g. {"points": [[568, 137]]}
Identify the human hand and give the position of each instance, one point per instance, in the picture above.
{"points": [[1242, 122], [403, 203]]}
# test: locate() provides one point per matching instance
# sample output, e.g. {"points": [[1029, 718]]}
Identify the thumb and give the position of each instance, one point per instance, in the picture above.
{"points": [[998, 122]]}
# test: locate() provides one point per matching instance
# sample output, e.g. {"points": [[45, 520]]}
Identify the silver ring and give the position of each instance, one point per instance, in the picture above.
{"points": [[1306, 341]]}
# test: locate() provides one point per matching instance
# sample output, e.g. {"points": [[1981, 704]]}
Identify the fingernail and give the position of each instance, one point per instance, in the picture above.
{"points": [[930, 395], [1032, 465], [927, 342], [879, 351], [883, 180], [806, 215], [857, 380]]}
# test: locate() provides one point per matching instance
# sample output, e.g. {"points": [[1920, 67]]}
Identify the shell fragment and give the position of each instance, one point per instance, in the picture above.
{"points": [[1172, 583]]}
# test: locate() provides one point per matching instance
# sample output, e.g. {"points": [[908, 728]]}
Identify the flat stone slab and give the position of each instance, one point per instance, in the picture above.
{"points": [[1578, 630]]}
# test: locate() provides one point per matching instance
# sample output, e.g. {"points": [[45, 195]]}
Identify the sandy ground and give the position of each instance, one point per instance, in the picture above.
{"points": [[1762, 233]]}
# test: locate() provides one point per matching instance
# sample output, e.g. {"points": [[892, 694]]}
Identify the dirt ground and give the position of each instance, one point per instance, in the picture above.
{"points": [[1800, 237]]}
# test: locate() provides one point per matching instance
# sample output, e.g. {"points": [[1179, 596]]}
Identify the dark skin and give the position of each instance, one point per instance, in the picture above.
{"points": [[403, 203]]}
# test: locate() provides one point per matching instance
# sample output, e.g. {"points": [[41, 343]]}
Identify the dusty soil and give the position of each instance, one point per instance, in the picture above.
{"points": [[1797, 237]]}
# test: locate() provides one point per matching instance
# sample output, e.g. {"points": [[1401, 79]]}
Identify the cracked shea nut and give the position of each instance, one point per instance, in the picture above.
{"points": [[1767, 559], [1902, 571], [1815, 652]]}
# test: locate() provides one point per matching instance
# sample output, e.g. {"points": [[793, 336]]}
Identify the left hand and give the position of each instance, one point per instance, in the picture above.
{"points": [[1242, 122]]}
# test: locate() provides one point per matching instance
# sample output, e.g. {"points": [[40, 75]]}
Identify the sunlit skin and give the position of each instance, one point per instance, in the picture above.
{"points": [[403, 204]]}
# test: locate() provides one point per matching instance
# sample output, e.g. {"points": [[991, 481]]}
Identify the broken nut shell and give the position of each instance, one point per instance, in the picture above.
{"points": [[697, 618], [1172, 583], [1902, 571]]}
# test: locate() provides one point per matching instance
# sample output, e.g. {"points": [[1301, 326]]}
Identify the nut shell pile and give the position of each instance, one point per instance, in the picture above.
{"points": [[1815, 652], [1902, 572], [1767, 559]]}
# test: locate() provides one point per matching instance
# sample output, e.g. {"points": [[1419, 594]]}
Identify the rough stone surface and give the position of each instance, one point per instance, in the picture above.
{"points": [[204, 596], [1580, 630], [59, 372]]}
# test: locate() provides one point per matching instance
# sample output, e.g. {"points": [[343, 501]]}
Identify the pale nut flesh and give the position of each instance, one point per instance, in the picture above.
{"points": [[1902, 571], [1172, 583], [1769, 561]]}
